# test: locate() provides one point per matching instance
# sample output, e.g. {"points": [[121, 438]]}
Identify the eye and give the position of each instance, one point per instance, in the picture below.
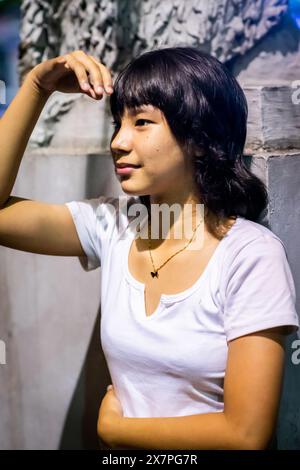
{"points": [[143, 120], [117, 124]]}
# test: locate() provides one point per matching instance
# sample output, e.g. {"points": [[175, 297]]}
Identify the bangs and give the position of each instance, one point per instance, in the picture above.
{"points": [[149, 79]]}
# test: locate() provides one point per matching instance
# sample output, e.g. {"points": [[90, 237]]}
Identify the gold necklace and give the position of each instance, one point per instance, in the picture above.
{"points": [[154, 273]]}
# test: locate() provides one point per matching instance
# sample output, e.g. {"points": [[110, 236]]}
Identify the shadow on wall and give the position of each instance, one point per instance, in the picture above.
{"points": [[80, 428]]}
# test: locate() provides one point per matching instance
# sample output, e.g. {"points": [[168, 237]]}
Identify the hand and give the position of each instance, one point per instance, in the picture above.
{"points": [[110, 415], [72, 73]]}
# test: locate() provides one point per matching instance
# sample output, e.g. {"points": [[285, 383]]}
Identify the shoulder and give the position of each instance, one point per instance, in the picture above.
{"points": [[257, 286], [105, 205], [118, 211], [104, 213], [252, 251], [250, 238]]}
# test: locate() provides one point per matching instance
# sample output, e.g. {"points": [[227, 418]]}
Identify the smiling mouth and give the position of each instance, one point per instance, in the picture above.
{"points": [[126, 165], [126, 170]]}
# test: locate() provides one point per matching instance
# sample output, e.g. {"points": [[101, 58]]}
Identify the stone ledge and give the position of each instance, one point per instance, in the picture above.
{"points": [[274, 115]]}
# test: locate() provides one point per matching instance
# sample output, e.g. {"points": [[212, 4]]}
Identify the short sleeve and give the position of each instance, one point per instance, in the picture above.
{"points": [[259, 289], [84, 214]]}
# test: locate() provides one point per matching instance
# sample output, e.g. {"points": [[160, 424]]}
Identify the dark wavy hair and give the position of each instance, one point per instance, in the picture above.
{"points": [[207, 111]]}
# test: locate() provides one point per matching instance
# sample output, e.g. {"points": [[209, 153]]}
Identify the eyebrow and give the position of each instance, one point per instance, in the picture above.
{"points": [[140, 109]]}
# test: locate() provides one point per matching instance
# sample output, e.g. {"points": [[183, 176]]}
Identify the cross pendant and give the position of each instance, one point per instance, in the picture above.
{"points": [[153, 274]]}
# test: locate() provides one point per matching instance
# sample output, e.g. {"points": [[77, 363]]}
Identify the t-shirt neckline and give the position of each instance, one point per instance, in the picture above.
{"points": [[171, 298]]}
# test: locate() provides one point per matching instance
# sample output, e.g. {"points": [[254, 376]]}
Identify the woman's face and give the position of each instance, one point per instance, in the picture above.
{"points": [[144, 138]]}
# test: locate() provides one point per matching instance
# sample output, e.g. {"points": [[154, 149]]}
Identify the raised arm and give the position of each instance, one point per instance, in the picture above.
{"points": [[32, 225], [16, 127]]}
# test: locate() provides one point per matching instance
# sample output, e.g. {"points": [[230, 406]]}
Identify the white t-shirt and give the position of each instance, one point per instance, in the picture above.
{"points": [[172, 363]]}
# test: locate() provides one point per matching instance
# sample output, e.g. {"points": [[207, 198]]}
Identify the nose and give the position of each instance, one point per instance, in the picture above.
{"points": [[121, 142]]}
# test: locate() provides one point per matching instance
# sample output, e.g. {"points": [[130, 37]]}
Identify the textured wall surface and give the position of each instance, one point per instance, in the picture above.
{"points": [[276, 55], [115, 31], [56, 374]]}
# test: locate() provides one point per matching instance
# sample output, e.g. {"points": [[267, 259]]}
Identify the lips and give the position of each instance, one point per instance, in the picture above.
{"points": [[127, 165]]}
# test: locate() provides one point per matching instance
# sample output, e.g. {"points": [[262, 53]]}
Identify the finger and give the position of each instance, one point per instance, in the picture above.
{"points": [[106, 74], [79, 71], [95, 73], [62, 60], [91, 92]]}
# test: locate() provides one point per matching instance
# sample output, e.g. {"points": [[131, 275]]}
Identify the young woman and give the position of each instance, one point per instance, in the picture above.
{"points": [[192, 327]]}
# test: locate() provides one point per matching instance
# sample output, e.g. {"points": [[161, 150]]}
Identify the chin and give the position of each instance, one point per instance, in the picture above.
{"points": [[132, 191]]}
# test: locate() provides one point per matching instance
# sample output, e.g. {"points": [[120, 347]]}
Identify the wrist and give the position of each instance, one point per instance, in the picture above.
{"points": [[32, 82]]}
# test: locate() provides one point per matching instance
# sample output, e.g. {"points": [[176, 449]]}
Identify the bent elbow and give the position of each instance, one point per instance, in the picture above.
{"points": [[253, 442], [245, 439]]}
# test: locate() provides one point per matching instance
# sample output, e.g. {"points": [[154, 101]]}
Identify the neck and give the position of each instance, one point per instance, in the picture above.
{"points": [[175, 224]]}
